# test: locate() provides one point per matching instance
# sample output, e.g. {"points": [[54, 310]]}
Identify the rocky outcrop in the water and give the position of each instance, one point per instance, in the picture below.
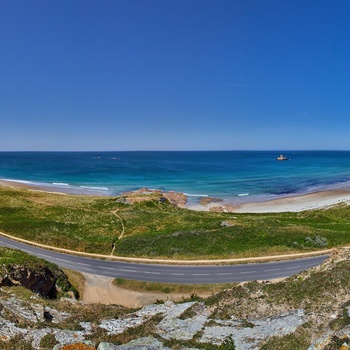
{"points": [[209, 200], [175, 198]]}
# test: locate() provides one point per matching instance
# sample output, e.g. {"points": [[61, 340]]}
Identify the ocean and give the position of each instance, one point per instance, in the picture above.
{"points": [[235, 176]]}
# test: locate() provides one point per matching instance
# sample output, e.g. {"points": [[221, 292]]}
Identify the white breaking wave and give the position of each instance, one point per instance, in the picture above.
{"points": [[19, 181], [243, 194], [195, 195], [95, 188], [60, 184]]}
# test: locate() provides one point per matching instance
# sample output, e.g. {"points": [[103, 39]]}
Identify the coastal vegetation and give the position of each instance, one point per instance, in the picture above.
{"points": [[156, 228], [192, 290]]}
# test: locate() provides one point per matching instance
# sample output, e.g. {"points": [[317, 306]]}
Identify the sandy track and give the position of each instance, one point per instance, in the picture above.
{"points": [[99, 289]]}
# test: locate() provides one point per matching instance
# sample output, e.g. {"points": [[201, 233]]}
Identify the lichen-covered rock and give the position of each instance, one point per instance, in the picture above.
{"points": [[172, 327], [107, 346], [16, 308], [250, 335], [146, 343], [326, 340]]}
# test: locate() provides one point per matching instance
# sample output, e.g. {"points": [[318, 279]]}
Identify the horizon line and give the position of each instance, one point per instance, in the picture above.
{"points": [[189, 150]]}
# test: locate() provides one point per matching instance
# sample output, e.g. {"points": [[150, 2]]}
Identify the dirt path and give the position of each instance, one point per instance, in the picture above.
{"points": [[99, 289], [114, 212], [121, 222]]}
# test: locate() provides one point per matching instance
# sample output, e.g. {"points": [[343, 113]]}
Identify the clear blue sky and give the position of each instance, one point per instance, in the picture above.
{"points": [[174, 74]]}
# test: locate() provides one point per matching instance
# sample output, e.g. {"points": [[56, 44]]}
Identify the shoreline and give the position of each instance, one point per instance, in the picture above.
{"points": [[297, 203], [316, 200], [293, 203]]}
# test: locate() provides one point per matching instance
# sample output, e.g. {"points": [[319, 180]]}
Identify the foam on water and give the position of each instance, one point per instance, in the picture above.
{"points": [[93, 188], [19, 181], [195, 195]]}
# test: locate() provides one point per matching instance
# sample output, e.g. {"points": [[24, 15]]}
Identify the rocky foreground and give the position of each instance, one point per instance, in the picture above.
{"points": [[310, 310]]}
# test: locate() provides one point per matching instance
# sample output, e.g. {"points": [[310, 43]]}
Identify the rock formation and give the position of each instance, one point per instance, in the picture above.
{"points": [[310, 309]]}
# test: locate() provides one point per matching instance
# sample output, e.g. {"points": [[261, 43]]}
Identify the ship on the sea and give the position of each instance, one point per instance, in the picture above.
{"points": [[281, 157]]}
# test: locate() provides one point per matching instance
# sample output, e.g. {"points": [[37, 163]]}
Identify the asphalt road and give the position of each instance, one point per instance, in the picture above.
{"points": [[170, 273]]}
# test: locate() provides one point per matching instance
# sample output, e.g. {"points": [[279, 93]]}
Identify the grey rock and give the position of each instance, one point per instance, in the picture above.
{"points": [[54, 316], [39, 312], [107, 346], [15, 307], [117, 326], [146, 343], [36, 336], [321, 342], [87, 327], [171, 327], [247, 334], [120, 325], [250, 337], [69, 337], [9, 329]]}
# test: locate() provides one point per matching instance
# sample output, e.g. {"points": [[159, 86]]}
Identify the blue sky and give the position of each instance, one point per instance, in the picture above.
{"points": [[174, 74]]}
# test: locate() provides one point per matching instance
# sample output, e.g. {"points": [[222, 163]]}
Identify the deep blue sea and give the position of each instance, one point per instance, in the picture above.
{"points": [[236, 176]]}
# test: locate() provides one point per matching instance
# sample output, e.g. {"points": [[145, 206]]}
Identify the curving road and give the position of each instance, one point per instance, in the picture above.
{"points": [[170, 273]]}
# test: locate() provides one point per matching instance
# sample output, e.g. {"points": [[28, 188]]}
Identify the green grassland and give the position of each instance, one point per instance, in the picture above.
{"points": [[155, 228], [192, 290]]}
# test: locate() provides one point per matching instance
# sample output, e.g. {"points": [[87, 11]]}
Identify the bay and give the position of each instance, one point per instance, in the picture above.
{"points": [[235, 176]]}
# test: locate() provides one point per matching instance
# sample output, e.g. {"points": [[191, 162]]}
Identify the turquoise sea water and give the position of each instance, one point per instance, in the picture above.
{"points": [[236, 176]]}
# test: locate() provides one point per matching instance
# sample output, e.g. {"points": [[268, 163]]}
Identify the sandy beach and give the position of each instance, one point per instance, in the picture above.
{"points": [[317, 200]]}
